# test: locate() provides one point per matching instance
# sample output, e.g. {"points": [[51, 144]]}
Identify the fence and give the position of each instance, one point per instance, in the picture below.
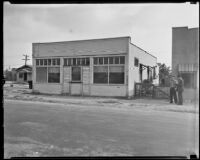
{"points": [[143, 90]]}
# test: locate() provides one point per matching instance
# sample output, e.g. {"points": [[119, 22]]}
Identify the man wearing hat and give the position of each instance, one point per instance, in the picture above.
{"points": [[180, 89], [173, 85]]}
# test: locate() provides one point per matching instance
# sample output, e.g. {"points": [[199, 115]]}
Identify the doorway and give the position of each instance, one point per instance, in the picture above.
{"points": [[25, 76], [76, 84]]}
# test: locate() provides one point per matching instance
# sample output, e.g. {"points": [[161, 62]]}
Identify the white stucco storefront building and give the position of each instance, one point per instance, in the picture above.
{"points": [[97, 67]]}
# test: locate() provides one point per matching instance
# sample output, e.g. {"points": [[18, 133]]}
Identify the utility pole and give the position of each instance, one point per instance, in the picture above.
{"points": [[26, 58]]}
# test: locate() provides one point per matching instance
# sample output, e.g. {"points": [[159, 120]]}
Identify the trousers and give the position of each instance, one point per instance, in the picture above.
{"points": [[173, 95]]}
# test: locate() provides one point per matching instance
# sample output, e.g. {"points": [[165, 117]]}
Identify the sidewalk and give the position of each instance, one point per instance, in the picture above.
{"points": [[21, 92]]}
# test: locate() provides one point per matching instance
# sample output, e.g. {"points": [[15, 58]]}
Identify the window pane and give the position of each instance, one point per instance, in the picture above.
{"points": [[69, 61], [116, 69], [79, 61], [37, 62], [74, 61], [116, 78], [105, 60], [116, 75], [87, 61], [95, 60], [54, 69], [76, 73], [136, 62], [41, 74], [41, 62], [122, 60], [54, 62], [58, 61], [116, 60], [100, 69], [189, 79], [110, 60], [54, 74], [65, 62], [21, 75], [100, 60], [101, 74], [83, 61], [45, 62], [49, 62]]}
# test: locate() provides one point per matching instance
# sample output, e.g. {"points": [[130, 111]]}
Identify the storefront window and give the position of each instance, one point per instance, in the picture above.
{"points": [[101, 74], [76, 74], [41, 74], [116, 75], [54, 74]]}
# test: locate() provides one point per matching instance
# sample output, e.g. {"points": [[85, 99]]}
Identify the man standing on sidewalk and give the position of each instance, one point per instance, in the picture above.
{"points": [[173, 90], [180, 90]]}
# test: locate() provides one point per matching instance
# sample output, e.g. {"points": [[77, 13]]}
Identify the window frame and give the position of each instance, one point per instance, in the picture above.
{"points": [[108, 65], [76, 81], [57, 64], [84, 61], [136, 59]]}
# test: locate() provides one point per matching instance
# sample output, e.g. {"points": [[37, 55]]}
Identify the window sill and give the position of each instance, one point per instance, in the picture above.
{"points": [[46, 83], [101, 84], [75, 82]]}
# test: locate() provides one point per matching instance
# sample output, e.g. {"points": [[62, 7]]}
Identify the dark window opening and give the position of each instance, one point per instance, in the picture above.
{"points": [[189, 80], [95, 60], [45, 62], [122, 60], [87, 61], [100, 60], [74, 61], [116, 75], [37, 62], [105, 60], [79, 61], [41, 62], [41, 74], [111, 60], [100, 74], [69, 62], [58, 61], [116, 60], [25, 76], [49, 62], [136, 62], [54, 62], [65, 62], [54, 75], [20, 75], [76, 73]]}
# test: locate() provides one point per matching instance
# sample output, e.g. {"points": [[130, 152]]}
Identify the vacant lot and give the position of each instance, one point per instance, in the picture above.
{"points": [[45, 125]]}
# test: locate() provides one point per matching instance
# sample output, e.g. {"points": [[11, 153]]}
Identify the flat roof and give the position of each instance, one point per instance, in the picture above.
{"points": [[83, 40], [97, 40]]}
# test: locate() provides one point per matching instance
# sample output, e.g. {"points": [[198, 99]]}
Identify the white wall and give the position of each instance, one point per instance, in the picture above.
{"points": [[108, 90], [47, 88], [134, 75]]}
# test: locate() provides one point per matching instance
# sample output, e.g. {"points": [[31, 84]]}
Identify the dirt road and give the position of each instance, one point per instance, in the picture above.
{"points": [[69, 129]]}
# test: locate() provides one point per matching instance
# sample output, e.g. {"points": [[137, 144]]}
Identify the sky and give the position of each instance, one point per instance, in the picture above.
{"points": [[148, 25]]}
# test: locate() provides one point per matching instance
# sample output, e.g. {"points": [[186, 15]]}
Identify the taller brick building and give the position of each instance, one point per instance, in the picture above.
{"points": [[185, 58]]}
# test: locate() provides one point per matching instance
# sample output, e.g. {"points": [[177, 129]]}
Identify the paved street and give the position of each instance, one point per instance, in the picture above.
{"points": [[61, 129]]}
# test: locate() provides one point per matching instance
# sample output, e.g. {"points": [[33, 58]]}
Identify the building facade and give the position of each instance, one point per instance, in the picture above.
{"points": [[24, 74], [98, 67], [185, 59]]}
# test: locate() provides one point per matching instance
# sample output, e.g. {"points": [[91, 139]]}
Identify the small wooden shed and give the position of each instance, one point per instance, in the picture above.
{"points": [[24, 73]]}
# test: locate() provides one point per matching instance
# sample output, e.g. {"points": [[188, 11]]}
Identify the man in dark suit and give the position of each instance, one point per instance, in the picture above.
{"points": [[180, 89], [173, 90]]}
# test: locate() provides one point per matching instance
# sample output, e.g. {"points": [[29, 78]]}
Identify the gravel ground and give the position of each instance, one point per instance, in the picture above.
{"points": [[21, 92]]}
